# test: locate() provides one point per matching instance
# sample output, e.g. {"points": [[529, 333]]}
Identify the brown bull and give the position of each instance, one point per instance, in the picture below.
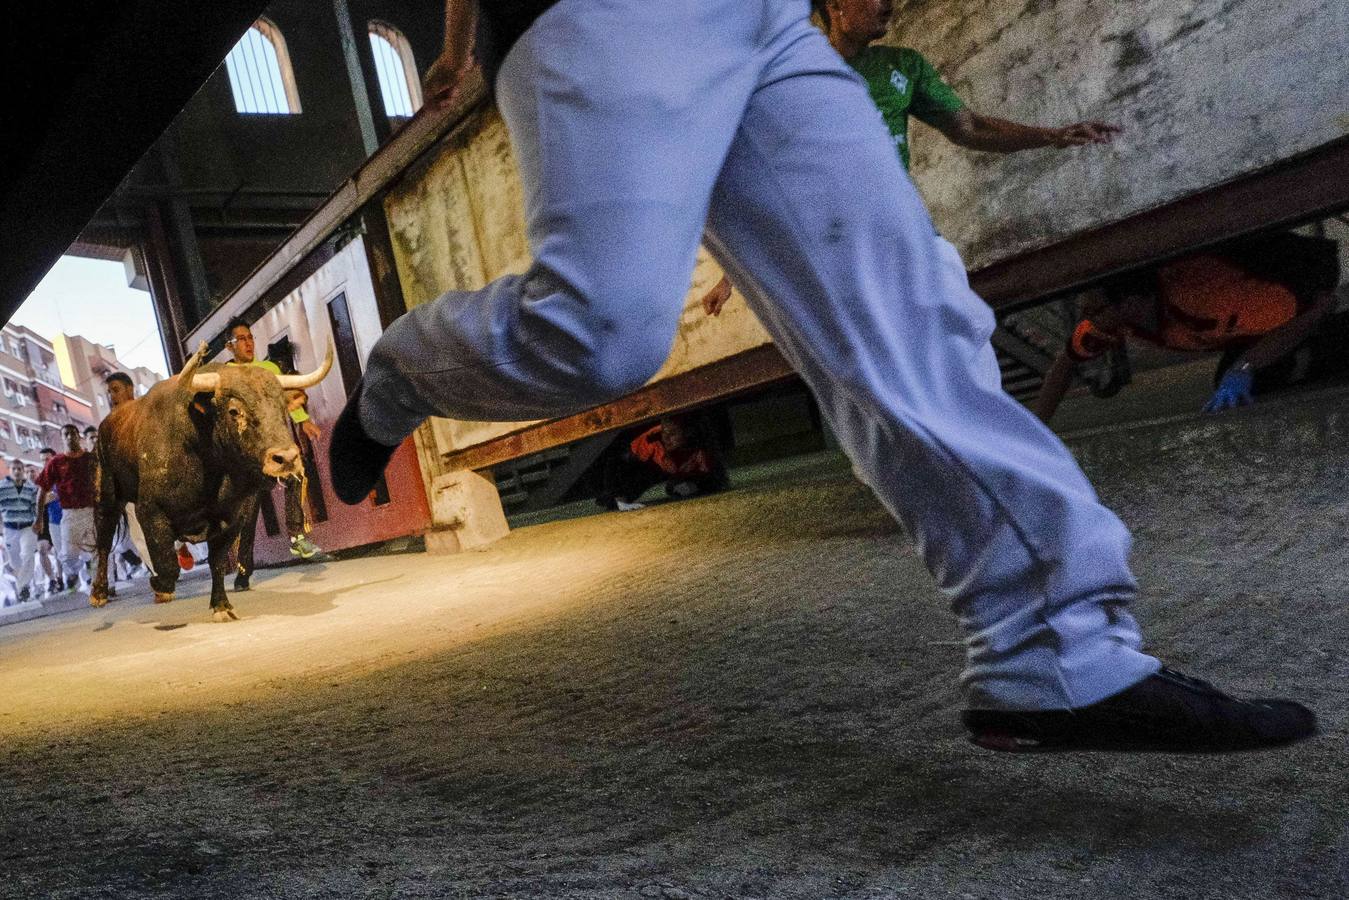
{"points": [[194, 454]]}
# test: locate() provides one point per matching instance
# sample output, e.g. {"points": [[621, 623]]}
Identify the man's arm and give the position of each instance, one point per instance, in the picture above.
{"points": [[1057, 381], [716, 298], [1235, 388], [1090, 338], [979, 132], [451, 70], [1283, 340]]}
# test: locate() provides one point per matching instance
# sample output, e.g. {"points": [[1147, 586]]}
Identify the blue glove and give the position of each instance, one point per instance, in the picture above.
{"points": [[1233, 391]]}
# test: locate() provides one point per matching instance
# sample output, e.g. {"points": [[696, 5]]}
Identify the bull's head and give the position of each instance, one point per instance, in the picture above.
{"points": [[251, 420]]}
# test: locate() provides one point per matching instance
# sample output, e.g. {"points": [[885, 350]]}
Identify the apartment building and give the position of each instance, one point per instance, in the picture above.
{"points": [[84, 364], [34, 401]]}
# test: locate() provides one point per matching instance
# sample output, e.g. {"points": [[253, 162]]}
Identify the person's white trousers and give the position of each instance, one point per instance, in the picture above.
{"points": [[78, 541], [137, 535], [21, 547], [637, 124]]}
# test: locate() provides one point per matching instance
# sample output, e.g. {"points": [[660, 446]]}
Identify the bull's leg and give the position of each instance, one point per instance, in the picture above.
{"points": [[159, 541], [107, 512], [248, 530], [221, 610]]}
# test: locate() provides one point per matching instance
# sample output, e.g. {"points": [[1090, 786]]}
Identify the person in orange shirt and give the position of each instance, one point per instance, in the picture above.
{"points": [[1255, 301], [678, 450]]}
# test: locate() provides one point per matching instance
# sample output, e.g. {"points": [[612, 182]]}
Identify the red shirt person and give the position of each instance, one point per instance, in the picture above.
{"points": [[71, 474], [678, 451]]}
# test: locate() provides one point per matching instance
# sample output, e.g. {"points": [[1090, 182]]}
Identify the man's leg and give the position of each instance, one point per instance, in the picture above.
{"points": [[620, 115], [297, 524], [80, 530], [818, 223], [70, 553], [19, 562], [23, 571]]}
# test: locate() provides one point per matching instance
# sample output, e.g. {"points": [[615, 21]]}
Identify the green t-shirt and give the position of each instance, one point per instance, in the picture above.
{"points": [[296, 415], [902, 83]]}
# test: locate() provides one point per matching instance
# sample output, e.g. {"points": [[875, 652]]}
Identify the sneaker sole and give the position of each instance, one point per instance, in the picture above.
{"points": [[1001, 742]]}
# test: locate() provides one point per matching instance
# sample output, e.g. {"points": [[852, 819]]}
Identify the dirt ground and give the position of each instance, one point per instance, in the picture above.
{"points": [[746, 696]]}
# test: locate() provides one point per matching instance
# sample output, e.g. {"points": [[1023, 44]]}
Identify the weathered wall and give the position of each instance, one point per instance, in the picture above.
{"points": [[457, 222], [1206, 90]]}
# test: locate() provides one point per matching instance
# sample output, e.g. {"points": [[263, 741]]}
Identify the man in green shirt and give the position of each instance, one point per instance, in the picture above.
{"points": [[245, 354], [902, 83]]}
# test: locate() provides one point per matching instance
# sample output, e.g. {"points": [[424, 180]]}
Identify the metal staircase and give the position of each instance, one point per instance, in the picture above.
{"points": [[536, 482]]}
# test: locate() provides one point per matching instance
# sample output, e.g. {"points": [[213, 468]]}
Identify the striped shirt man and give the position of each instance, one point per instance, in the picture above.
{"points": [[18, 502]]}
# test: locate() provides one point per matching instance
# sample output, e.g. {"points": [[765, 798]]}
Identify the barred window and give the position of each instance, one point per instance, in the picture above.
{"points": [[398, 82], [261, 77]]}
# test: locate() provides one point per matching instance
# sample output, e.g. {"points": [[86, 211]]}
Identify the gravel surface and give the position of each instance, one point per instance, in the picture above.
{"points": [[747, 696]]}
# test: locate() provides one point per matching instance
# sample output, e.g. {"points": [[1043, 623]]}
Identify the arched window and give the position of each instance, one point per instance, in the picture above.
{"points": [[260, 73], [398, 81]]}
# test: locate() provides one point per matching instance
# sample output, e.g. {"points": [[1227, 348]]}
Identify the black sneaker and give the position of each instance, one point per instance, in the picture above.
{"points": [[1164, 713], [355, 460]]}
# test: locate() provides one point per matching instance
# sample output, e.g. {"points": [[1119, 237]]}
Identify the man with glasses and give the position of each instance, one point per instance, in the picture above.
{"points": [[241, 344]]}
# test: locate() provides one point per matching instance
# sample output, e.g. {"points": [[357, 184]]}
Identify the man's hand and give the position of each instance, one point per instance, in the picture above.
{"points": [[1083, 133], [312, 431], [716, 298], [448, 80], [1233, 391]]}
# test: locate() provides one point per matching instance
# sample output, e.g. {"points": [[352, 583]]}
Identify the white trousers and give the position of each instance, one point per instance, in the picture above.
{"points": [[137, 535], [78, 539], [637, 124], [21, 548]]}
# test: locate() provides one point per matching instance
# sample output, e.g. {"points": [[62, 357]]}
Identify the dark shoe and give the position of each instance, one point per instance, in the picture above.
{"points": [[355, 460], [1164, 713]]}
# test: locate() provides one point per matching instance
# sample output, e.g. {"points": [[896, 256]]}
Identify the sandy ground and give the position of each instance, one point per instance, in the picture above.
{"points": [[746, 696]]}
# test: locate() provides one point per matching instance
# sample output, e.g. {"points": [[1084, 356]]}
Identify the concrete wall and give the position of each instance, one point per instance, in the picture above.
{"points": [[1206, 90]]}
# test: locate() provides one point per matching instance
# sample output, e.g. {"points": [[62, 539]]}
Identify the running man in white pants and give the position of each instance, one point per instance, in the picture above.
{"points": [[637, 125], [71, 474]]}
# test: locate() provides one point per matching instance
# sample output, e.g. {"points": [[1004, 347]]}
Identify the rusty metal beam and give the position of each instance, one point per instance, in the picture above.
{"points": [[748, 371], [1310, 186]]}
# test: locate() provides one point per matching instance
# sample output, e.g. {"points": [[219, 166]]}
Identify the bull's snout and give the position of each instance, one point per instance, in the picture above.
{"points": [[282, 462]]}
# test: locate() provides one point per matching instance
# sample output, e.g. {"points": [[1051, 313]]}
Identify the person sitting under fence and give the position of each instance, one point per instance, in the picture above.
{"points": [[679, 451], [1264, 303]]}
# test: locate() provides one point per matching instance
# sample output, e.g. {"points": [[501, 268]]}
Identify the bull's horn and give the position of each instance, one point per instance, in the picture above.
{"points": [[188, 375], [309, 379], [205, 383]]}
